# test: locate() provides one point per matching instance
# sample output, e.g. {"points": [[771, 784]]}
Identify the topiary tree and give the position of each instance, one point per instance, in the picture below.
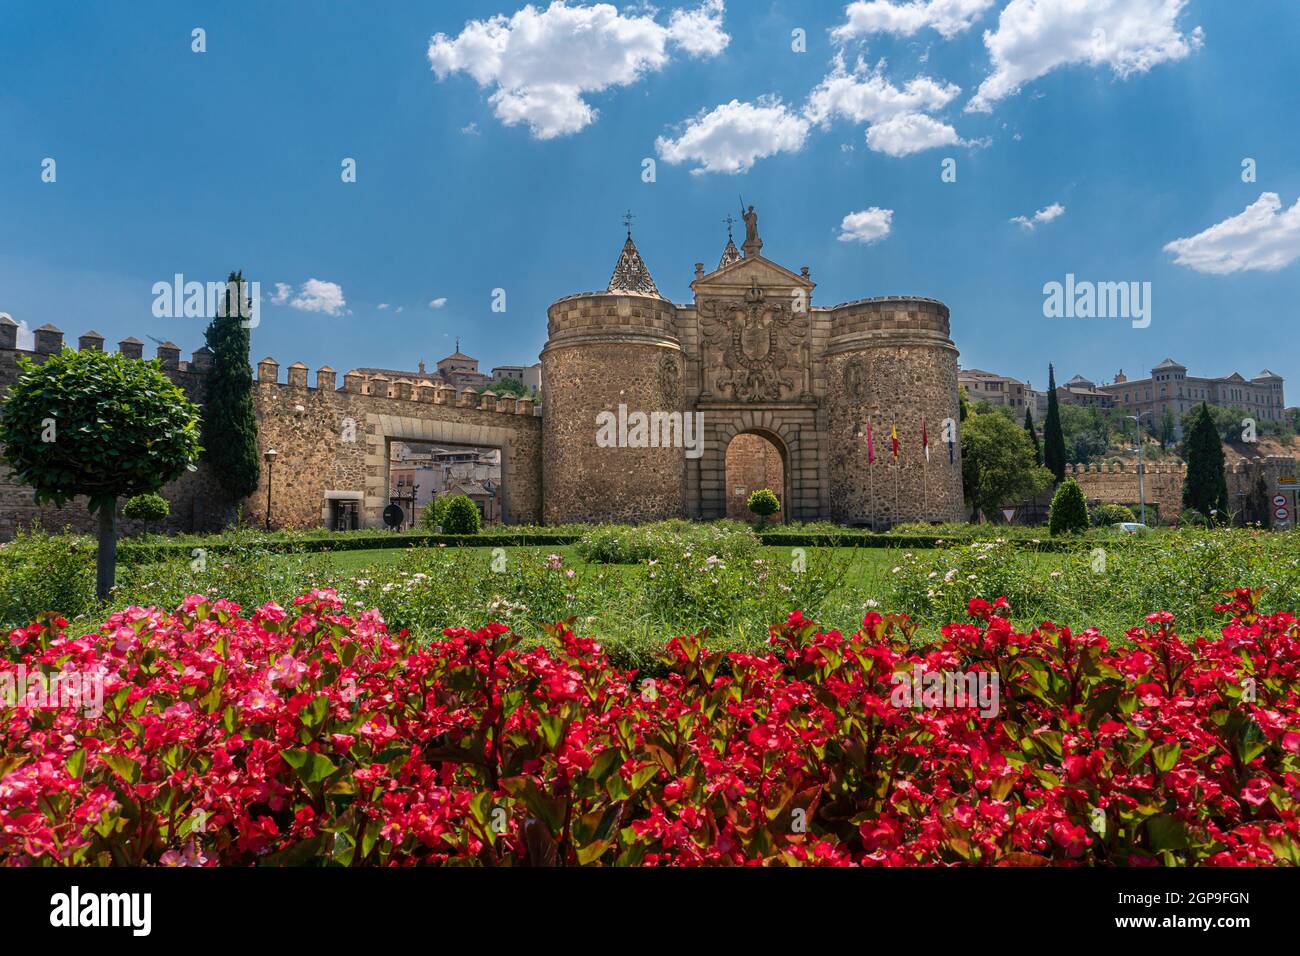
{"points": [[1110, 513], [764, 503], [229, 422], [146, 508], [1069, 512], [101, 425], [1053, 436], [462, 517], [1206, 485]]}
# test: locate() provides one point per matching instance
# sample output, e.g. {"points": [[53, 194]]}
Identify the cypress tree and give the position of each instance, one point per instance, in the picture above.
{"points": [[1206, 487], [229, 423], [1033, 436], [1053, 437]]}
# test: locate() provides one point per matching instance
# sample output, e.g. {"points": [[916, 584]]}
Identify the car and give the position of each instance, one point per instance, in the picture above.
{"points": [[1132, 526]]}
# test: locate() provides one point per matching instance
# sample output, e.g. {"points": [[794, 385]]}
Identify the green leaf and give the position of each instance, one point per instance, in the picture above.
{"points": [[1166, 755], [1167, 833], [77, 762], [123, 766], [311, 767]]}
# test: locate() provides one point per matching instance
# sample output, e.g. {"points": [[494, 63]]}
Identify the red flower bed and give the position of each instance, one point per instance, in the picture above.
{"points": [[310, 736]]}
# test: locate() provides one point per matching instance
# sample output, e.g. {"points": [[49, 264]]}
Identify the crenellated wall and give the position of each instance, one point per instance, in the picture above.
{"points": [[1113, 482], [331, 442]]}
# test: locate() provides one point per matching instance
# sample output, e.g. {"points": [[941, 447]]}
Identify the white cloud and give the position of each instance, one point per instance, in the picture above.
{"points": [[438, 303], [869, 225], [731, 137], [699, 32], [316, 295], [897, 117], [865, 96], [282, 292], [382, 306], [1034, 37], [1044, 215], [910, 133], [542, 62], [1263, 236], [946, 17]]}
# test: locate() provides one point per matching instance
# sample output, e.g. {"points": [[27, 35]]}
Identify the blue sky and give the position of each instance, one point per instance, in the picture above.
{"points": [[502, 153]]}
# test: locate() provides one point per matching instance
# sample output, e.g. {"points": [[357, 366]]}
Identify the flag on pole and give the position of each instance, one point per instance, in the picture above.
{"points": [[925, 439], [893, 439], [950, 459], [871, 448]]}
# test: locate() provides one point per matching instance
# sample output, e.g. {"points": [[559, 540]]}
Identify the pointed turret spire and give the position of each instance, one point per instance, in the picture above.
{"points": [[631, 274]]}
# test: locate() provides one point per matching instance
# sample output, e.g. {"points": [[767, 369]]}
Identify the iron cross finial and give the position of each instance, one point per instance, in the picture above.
{"points": [[730, 221], [627, 221]]}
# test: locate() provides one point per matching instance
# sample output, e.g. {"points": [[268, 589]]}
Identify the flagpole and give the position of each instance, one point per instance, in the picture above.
{"points": [[871, 476], [893, 438]]}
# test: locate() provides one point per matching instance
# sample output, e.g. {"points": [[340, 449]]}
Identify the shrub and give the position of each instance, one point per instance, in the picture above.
{"points": [[1192, 518], [624, 544], [462, 516], [1108, 514], [1069, 513], [435, 513], [41, 572], [763, 503], [146, 508], [337, 743]]}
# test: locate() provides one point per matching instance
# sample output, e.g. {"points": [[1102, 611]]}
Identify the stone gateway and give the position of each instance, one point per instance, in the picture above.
{"points": [[751, 356], [844, 411]]}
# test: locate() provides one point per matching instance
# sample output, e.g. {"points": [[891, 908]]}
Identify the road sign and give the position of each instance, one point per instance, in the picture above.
{"points": [[1287, 481], [1008, 513], [1281, 514], [393, 516], [1279, 501]]}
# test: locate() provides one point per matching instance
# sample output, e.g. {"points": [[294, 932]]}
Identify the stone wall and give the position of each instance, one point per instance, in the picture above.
{"points": [[1111, 482], [331, 443], [753, 462], [891, 364], [603, 352]]}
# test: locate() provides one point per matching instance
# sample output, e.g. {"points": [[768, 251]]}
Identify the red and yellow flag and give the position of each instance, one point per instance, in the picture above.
{"points": [[893, 438]]}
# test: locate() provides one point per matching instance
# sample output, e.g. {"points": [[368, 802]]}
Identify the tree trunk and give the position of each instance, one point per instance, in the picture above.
{"points": [[106, 558]]}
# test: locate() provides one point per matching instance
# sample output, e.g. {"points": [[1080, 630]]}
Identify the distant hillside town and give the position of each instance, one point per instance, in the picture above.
{"points": [[1167, 389]]}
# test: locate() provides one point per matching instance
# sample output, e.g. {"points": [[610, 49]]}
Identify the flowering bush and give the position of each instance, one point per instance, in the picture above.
{"points": [[624, 544], [314, 736]]}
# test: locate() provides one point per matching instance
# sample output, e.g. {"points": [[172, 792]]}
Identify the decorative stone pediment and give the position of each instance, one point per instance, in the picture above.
{"points": [[742, 272], [753, 319]]}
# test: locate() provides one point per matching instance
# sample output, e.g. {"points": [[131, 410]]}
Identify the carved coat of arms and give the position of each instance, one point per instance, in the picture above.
{"points": [[759, 342]]}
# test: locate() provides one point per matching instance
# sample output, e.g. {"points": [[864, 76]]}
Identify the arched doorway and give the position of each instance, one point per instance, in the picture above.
{"points": [[753, 461]]}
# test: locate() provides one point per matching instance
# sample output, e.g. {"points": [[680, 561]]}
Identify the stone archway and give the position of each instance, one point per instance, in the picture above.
{"points": [[753, 460], [791, 428]]}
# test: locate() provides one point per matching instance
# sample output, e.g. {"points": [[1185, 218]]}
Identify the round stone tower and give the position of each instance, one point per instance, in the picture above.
{"points": [[890, 366], [612, 370]]}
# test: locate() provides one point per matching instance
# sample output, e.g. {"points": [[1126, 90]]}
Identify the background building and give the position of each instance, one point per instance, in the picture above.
{"points": [[1170, 387]]}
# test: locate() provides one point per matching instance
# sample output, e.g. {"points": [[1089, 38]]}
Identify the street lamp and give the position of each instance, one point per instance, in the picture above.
{"points": [[1142, 489], [269, 457]]}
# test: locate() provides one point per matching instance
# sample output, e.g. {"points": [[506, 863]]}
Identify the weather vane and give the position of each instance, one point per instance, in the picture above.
{"points": [[627, 221]]}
